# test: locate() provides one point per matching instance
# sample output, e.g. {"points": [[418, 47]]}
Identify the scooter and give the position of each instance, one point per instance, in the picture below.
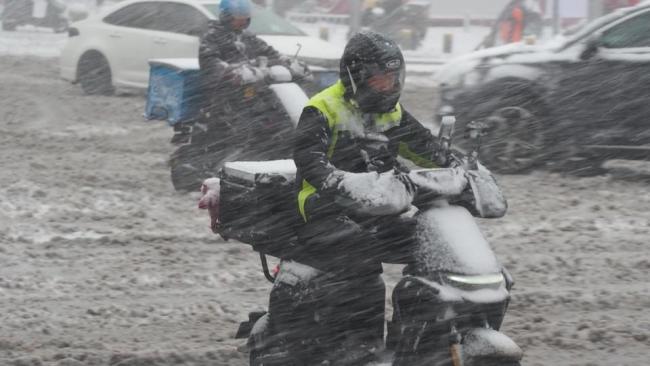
{"points": [[451, 301], [21, 12], [265, 103]]}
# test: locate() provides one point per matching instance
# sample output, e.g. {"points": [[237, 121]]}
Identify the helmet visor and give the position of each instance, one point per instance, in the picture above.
{"points": [[384, 80], [380, 87]]}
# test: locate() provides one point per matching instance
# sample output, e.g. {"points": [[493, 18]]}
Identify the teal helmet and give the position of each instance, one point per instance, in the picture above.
{"points": [[235, 14]]}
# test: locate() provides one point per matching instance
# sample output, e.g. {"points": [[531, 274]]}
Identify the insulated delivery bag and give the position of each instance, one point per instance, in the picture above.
{"points": [[257, 205]]}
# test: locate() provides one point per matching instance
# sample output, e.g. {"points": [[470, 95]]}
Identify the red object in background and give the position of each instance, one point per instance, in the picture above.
{"points": [[210, 190], [511, 29]]}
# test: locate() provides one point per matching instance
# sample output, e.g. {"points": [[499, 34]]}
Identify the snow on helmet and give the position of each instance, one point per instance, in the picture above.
{"points": [[235, 14], [372, 70]]}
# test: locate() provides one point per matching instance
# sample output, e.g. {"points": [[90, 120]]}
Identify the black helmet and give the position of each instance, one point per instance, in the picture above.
{"points": [[373, 71], [235, 14]]}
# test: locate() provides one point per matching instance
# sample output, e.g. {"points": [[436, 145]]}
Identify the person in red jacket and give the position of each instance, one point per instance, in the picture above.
{"points": [[520, 18], [511, 28]]}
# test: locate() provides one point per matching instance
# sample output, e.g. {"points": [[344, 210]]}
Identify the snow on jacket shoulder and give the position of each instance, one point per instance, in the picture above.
{"points": [[322, 146], [221, 46]]}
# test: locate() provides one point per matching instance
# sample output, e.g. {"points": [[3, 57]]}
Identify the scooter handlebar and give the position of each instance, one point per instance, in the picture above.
{"points": [[248, 73], [387, 193]]}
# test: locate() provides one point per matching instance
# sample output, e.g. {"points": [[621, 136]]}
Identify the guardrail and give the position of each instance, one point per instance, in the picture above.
{"points": [[318, 17], [345, 19], [440, 21]]}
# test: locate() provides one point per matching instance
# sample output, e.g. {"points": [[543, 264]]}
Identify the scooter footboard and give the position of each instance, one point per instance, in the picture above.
{"points": [[480, 344]]}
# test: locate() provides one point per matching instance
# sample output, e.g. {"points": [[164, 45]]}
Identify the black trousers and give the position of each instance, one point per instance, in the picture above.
{"points": [[328, 318], [343, 306], [355, 246]]}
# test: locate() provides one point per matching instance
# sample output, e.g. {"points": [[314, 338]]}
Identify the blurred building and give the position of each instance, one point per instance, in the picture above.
{"points": [[474, 9]]}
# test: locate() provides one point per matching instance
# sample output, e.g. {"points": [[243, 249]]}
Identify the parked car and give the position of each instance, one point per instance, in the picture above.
{"points": [[573, 102], [111, 49]]}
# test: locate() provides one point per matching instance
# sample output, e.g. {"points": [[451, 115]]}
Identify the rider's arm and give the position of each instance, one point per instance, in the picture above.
{"points": [[416, 143], [210, 58], [261, 48], [311, 141]]}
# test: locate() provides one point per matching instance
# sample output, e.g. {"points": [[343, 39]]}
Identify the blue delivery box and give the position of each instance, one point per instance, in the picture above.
{"points": [[174, 90]]}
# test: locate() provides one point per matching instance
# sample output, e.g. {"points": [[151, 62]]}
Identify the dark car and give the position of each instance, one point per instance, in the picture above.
{"points": [[575, 102]]}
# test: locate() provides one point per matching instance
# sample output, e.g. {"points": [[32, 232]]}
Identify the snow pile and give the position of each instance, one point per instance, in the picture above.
{"points": [[32, 41], [375, 194]]}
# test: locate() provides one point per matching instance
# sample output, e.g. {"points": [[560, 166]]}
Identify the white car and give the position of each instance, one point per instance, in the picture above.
{"points": [[111, 49]]}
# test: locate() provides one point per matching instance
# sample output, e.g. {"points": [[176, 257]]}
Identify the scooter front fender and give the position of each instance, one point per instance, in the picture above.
{"points": [[292, 97], [449, 240], [480, 344]]}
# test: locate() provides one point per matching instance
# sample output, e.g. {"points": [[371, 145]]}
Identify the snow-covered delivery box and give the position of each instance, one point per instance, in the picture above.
{"points": [[174, 93], [258, 205]]}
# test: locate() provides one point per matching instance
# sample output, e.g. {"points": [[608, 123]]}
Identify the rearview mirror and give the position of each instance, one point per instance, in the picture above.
{"points": [[591, 48], [445, 136]]}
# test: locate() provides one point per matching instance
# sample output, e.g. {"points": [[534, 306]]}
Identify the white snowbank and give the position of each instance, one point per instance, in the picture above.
{"points": [[31, 41]]}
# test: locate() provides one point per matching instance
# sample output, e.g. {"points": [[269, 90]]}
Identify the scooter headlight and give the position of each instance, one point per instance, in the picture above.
{"points": [[475, 282]]}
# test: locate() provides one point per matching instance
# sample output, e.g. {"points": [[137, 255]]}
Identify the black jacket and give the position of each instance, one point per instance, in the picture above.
{"points": [[221, 47], [353, 154]]}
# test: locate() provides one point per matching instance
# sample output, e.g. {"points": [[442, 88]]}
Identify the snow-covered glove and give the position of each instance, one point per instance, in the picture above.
{"points": [[286, 60], [440, 182], [210, 201], [299, 70], [374, 194], [487, 196], [244, 74]]}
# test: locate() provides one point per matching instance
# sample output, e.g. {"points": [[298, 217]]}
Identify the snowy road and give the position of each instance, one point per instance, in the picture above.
{"points": [[102, 263]]}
